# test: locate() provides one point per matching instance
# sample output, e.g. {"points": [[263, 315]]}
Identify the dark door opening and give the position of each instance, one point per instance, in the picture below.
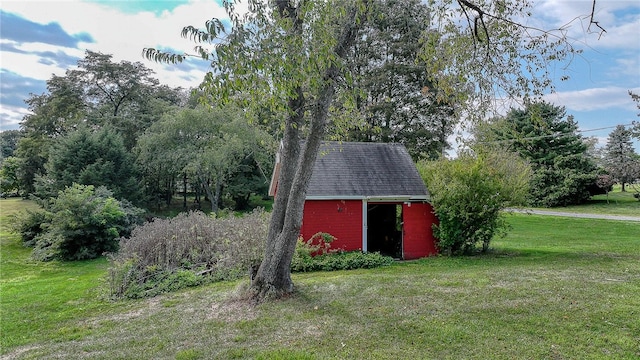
{"points": [[384, 229]]}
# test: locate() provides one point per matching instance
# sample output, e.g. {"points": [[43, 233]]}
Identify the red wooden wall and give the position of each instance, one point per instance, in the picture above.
{"points": [[340, 218], [418, 240], [343, 219]]}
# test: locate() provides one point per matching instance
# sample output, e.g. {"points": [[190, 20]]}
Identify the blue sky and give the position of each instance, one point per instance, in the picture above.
{"points": [[41, 38]]}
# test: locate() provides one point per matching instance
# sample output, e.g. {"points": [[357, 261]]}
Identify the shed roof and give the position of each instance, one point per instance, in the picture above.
{"points": [[364, 170]]}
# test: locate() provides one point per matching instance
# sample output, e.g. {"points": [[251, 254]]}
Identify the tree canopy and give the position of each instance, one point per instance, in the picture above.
{"points": [[99, 92], [88, 157], [393, 90], [210, 145]]}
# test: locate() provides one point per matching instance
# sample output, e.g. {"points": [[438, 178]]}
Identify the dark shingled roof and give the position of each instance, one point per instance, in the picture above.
{"points": [[365, 169]]}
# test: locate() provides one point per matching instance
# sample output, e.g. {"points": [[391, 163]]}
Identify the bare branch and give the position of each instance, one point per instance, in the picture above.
{"points": [[596, 23]]}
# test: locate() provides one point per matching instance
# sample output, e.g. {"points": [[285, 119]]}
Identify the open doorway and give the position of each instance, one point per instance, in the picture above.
{"points": [[384, 229]]}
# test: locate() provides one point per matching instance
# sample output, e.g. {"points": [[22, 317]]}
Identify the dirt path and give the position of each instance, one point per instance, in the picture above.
{"points": [[576, 215]]}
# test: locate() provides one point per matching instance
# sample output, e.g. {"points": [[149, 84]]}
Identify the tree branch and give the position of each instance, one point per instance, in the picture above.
{"points": [[596, 23]]}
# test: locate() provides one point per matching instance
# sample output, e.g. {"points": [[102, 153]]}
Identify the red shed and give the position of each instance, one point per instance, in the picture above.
{"points": [[371, 197]]}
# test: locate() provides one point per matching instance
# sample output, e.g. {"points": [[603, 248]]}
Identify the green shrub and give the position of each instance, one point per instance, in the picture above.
{"points": [[29, 225], [340, 261], [468, 194], [316, 254], [188, 250], [82, 222], [318, 244]]}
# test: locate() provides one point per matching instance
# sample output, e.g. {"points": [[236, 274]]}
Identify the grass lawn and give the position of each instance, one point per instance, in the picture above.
{"points": [[617, 203], [554, 288], [37, 298]]}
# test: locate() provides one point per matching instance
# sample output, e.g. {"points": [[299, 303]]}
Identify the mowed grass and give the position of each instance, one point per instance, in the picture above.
{"points": [[554, 288], [617, 203], [36, 298]]}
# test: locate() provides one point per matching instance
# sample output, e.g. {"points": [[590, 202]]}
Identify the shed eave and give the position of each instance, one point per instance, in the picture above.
{"points": [[386, 198], [335, 197]]}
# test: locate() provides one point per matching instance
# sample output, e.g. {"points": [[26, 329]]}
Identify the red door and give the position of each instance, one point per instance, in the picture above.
{"points": [[418, 240]]}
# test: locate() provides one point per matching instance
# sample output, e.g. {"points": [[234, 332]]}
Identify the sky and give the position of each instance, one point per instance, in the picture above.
{"points": [[42, 38]]}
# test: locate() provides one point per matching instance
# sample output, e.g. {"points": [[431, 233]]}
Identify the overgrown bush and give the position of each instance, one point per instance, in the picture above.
{"points": [[82, 222], [192, 248], [468, 194]]}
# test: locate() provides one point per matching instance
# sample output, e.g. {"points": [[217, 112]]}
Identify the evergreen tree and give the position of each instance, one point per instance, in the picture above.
{"points": [[562, 169], [395, 92], [90, 158], [621, 158]]}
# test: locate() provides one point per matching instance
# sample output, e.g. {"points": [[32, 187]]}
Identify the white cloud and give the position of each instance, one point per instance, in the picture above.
{"points": [[123, 35], [628, 66], [11, 116], [28, 64], [620, 19], [594, 99]]}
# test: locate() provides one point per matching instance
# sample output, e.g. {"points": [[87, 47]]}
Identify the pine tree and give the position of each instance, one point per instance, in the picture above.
{"points": [[89, 157], [541, 134], [397, 95], [621, 157]]}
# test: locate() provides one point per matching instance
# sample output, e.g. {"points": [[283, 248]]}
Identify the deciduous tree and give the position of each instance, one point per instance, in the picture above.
{"points": [[9, 179], [210, 145], [9, 142], [99, 92]]}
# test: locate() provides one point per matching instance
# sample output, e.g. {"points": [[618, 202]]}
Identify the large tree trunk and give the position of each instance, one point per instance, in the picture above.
{"points": [[273, 278]]}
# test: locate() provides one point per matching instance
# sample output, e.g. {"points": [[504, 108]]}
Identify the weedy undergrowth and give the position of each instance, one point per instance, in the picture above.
{"points": [[188, 250]]}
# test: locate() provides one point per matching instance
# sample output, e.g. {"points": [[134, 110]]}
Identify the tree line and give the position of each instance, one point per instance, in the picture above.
{"points": [[113, 124]]}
